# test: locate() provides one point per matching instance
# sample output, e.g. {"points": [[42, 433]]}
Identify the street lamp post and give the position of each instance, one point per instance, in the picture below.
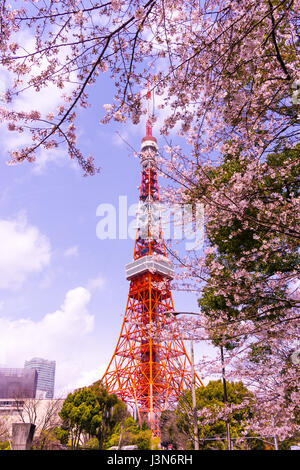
{"points": [[225, 399], [195, 420]]}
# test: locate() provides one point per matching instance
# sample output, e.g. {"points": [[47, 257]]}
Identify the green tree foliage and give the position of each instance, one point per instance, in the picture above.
{"points": [[170, 433], [62, 435], [249, 247], [129, 433], [92, 444], [114, 411], [4, 445], [50, 440], [212, 425], [82, 413]]}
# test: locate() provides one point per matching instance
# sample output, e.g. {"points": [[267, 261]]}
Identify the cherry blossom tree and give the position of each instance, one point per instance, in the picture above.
{"points": [[226, 76], [200, 57]]}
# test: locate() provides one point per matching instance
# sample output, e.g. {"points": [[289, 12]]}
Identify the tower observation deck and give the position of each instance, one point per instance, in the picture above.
{"points": [[149, 369]]}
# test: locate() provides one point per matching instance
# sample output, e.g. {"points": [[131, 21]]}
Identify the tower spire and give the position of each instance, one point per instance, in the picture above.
{"points": [[149, 118]]}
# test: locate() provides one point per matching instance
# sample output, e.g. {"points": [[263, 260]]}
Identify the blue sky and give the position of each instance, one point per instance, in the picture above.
{"points": [[62, 290]]}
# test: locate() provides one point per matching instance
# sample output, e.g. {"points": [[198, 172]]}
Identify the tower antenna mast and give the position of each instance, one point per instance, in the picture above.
{"points": [[149, 123]]}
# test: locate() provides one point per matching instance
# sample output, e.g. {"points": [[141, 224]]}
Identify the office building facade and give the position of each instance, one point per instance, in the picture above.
{"points": [[18, 383], [45, 376]]}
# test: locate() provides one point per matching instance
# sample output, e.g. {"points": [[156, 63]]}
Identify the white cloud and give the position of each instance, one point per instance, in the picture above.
{"points": [[24, 250], [96, 283], [71, 251], [57, 156], [63, 336]]}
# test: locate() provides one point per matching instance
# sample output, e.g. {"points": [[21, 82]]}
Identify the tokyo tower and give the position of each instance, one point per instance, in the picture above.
{"points": [[149, 369]]}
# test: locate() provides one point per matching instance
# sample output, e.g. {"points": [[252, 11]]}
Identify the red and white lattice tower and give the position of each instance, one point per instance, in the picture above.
{"points": [[148, 369]]}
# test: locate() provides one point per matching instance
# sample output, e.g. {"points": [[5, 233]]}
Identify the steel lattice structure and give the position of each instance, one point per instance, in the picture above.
{"points": [[149, 369]]}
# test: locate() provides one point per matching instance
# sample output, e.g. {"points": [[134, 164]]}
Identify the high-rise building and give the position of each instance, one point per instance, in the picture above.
{"points": [[18, 383], [45, 376]]}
